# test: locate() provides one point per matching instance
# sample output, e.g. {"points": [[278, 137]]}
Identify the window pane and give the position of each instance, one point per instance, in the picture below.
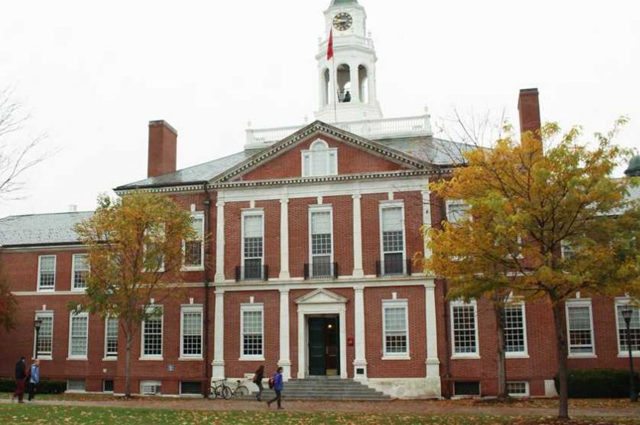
{"points": [[634, 328], [253, 226], [514, 329], [47, 271], [153, 337], [111, 338], [79, 329], [580, 340], [192, 333], [464, 329], [395, 329], [45, 335], [252, 332], [80, 270], [392, 219]]}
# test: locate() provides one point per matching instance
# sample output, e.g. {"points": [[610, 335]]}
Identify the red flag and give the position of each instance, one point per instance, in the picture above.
{"points": [[330, 46]]}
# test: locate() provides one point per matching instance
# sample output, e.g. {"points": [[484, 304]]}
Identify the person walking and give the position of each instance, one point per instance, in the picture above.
{"points": [[257, 379], [34, 378], [21, 376], [278, 386]]}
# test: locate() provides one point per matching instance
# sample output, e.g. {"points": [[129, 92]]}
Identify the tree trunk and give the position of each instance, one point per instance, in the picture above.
{"points": [[502, 372], [561, 342], [127, 364]]}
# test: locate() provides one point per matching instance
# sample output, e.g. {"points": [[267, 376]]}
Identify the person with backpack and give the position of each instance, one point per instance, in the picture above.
{"points": [[34, 378], [21, 376], [276, 383], [257, 379]]}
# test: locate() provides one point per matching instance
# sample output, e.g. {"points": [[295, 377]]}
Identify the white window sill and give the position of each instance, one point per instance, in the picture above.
{"points": [[251, 359], [400, 357], [582, 356], [465, 357], [192, 268], [625, 355], [190, 359], [151, 358], [41, 357], [516, 355], [46, 290], [77, 358], [79, 290], [110, 359]]}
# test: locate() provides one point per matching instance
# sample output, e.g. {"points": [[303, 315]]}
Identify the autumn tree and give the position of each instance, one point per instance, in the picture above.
{"points": [[523, 205], [135, 255]]}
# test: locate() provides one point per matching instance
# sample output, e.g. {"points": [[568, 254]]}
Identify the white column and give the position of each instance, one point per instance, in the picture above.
{"points": [[284, 240], [360, 361], [285, 358], [302, 353], [433, 363], [217, 371], [355, 83], [358, 270], [219, 277], [426, 220]]}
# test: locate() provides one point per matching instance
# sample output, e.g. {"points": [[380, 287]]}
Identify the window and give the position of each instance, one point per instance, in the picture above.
{"points": [[152, 334], [44, 343], [194, 249], [111, 338], [191, 326], [567, 251], [80, 266], [154, 249], [46, 273], [321, 242], [190, 388], [251, 324], [76, 385], [150, 387], [466, 389], [392, 219], [252, 244], [518, 389], [515, 330], [319, 160], [465, 329], [456, 210], [107, 386], [634, 328], [78, 335], [395, 328], [580, 328]]}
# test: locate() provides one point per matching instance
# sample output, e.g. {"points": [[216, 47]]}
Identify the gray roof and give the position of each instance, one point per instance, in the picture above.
{"points": [[41, 229], [429, 149]]}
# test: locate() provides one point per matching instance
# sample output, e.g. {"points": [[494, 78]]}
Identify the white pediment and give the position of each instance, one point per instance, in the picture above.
{"points": [[321, 296]]}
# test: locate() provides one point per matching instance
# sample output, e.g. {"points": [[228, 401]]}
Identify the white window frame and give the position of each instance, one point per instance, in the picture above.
{"points": [[580, 303], [144, 356], [55, 261], [527, 390], [191, 308], [623, 352], [70, 355], [331, 159], [73, 272], [151, 383], [40, 315], [252, 212], [390, 205], [323, 208], [525, 353], [109, 356], [470, 355], [75, 391], [455, 202], [251, 308], [197, 215], [403, 303]]}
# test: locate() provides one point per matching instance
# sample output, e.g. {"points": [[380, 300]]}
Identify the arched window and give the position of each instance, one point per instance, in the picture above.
{"points": [[363, 79], [344, 83], [319, 160]]}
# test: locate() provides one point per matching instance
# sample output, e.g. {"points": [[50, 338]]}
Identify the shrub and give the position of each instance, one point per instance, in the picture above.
{"points": [[598, 383], [45, 386]]}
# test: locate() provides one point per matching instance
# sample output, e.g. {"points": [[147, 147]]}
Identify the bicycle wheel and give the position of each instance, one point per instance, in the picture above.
{"points": [[241, 391], [226, 392], [213, 393]]}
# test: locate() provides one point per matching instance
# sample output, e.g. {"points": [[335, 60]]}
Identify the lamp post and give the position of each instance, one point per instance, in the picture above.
{"points": [[36, 324], [627, 313]]}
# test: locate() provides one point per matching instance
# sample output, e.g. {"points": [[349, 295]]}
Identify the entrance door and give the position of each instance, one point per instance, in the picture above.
{"points": [[324, 352]]}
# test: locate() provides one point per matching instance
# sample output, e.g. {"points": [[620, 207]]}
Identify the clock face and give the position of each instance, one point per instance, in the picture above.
{"points": [[342, 21]]}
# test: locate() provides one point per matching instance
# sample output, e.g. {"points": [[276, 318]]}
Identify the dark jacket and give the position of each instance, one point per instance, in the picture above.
{"points": [[21, 370], [259, 376]]}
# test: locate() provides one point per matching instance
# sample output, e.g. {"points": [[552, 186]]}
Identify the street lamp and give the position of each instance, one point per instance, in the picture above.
{"points": [[37, 324], [627, 313]]}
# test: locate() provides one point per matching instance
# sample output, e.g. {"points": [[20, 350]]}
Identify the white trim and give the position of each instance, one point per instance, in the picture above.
{"points": [[285, 355], [623, 352], [330, 157], [431, 328], [217, 370], [73, 273], [391, 205], [75, 315], [108, 357], [525, 353], [142, 336], [581, 302], [251, 212], [476, 353], [151, 383], [38, 315], [246, 308], [360, 358], [55, 260], [319, 208], [284, 240], [395, 303], [198, 215], [191, 308], [220, 272], [358, 270]]}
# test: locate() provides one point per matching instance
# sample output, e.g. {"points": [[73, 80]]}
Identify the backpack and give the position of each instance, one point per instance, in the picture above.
{"points": [[272, 382]]}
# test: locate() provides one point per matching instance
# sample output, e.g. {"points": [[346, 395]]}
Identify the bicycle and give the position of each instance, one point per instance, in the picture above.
{"points": [[221, 389], [240, 390]]}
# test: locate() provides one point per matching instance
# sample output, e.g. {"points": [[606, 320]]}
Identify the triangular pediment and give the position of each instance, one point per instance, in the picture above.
{"points": [[319, 129], [321, 296]]}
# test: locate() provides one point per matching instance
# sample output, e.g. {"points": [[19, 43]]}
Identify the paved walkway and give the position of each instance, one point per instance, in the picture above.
{"points": [[418, 407]]}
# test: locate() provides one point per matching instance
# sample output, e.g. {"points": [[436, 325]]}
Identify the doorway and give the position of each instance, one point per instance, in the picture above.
{"points": [[324, 346]]}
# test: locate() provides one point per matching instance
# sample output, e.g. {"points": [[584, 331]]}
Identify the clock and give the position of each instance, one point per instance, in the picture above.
{"points": [[342, 21]]}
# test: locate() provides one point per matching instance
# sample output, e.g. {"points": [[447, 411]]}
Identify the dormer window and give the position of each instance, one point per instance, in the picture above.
{"points": [[319, 160]]}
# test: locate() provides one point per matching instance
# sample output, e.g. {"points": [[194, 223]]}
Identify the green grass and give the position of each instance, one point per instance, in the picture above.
{"points": [[33, 414]]}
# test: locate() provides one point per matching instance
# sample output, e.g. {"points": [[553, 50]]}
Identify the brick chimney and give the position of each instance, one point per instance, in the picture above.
{"points": [[529, 109], [162, 148]]}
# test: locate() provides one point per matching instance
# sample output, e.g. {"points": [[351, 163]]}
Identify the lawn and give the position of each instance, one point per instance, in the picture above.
{"points": [[34, 414]]}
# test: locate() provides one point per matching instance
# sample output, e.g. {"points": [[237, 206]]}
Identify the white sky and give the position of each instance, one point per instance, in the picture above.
{"points": [[92, 74]]}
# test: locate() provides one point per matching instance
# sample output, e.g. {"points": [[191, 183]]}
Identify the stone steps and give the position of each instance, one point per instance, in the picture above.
{"points": [[328, 389]]}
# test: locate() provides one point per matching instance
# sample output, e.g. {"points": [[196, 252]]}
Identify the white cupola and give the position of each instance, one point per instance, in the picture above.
{"points": [[347, 83]]}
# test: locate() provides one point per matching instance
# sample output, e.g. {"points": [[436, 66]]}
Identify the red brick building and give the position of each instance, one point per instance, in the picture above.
{"points": [[303, 261]]}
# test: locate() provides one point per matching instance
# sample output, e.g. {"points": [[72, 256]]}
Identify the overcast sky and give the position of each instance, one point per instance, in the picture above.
{"points": [[92, 74]]}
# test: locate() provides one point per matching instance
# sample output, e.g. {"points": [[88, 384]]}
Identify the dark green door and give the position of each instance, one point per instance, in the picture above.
{"points": [[317, 347]]}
